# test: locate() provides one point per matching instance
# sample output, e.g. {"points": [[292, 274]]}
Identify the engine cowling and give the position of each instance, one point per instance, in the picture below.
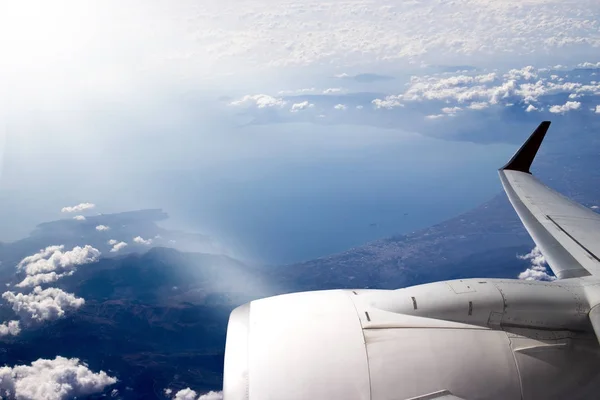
{"points": [[344, 344]]}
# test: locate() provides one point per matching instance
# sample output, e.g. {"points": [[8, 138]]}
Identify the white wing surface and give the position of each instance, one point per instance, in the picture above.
{"points": [[567, 233]]}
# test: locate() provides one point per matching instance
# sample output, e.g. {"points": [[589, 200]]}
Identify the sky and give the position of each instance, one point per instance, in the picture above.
{"points": [[284, 129], [287, 130]]}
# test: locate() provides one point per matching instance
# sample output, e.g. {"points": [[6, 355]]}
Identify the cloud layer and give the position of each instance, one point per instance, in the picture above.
{"points": [[57, 379]]}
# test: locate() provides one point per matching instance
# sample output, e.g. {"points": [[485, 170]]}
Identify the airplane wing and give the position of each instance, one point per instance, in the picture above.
{"points": [[567, 233]]}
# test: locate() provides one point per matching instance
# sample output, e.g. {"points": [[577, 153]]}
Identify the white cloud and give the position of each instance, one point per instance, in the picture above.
{"points": [[594, 207], [53, 258], [568, 106], [42, 305], [342, 75], [11, 328], [478, 105], [537, 271], [589, 65], [451, 110], [140, 240], [79, 218], [531, 108], [340, 107], [102, 228], [57, 379], [301, 106], [39, 279], [332, 90], [359, 107], [388, 102], [189, 394], [78, 208], [435, 116], [597, 111], [112, 242], [260, 101], [118, 246]]}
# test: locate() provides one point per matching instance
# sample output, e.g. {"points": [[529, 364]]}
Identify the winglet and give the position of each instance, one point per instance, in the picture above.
{"points": [[523, 158]]}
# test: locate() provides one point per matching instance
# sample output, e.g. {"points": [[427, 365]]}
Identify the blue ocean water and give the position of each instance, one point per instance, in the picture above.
{"points": [[274, 194], [290, 208]]}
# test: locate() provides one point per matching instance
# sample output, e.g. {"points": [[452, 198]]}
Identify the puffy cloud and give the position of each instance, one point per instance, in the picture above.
{"points": [[531, 108], [537, 271], [478, 105], [140, 240], [11, 328], [597, 109], [79, 218], [340, 107], [451, 110], [435, 116], [260, 101], [52, 258], [102, 228], [526, 73], [189, 394], [568, 106], [42, 305], [39, 279], [301, 106], [57, 379], [388, 102], [118, 246], [589, 65], [78, 208], [112, 242]]}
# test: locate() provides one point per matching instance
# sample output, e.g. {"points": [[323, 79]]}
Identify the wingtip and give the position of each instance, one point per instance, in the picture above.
{"points": [[523, 158]]}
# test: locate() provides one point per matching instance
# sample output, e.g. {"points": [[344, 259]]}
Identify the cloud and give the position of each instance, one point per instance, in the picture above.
{"points": [[451, 110], [332, 90], [537, 271], [260, 101], [568, 106], [388, 102], [39, 279], [435, 116], [52, 258], [112, 242], [531, 108], [340, 107], [78, 208], [526, 85], [11, 328], [597, 111], [589, 65], [301, 106], [140, 240], [478, 105], [57, 379], [118, 246], [42, 305], [79, 218], [189, 394], [102, 228]]}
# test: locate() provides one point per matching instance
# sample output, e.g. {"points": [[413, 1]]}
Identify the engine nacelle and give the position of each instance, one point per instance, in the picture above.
{"points": [[373, 344]]}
